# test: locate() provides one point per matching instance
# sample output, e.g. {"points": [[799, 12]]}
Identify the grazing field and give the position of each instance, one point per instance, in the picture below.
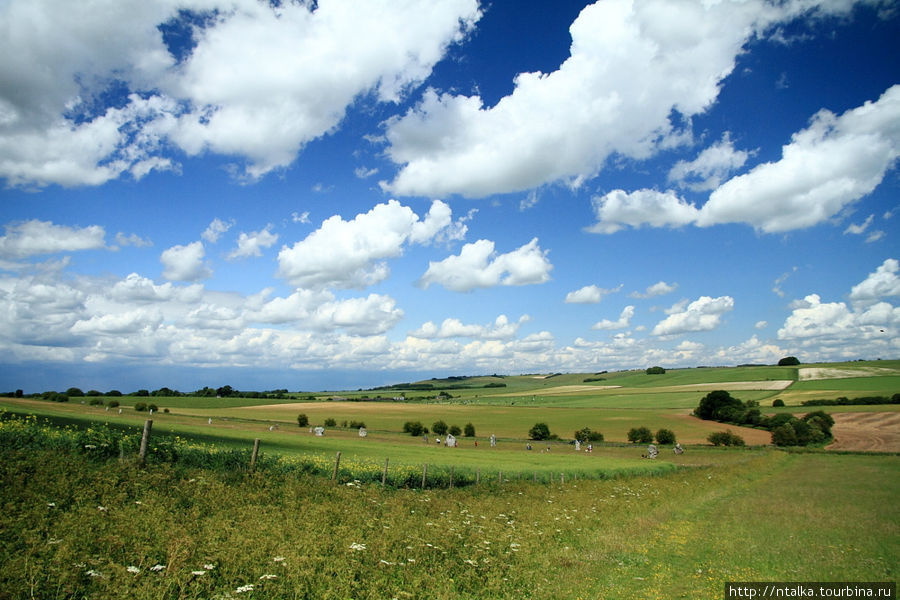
{"points": [[76, 528]]}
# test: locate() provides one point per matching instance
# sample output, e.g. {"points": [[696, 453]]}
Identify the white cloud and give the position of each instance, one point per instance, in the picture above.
{"points": [[703, 314], [364, 173], [351, 254], [216, 229], [500, 329], [761, 325], [622, 323], [618, 209], [261, 82], [875, 236], [185, 263], [882, 283], [132, 240], [251, 244], [861, 228], [30, 238], [590, 294], [781, 279], [826, 167], [660, 288], [711, 167], [478, 266], [300, 217], [636, 72]]}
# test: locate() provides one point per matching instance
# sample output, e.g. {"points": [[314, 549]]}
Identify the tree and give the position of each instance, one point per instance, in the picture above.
{"points": [[302, 420], [74, 392], [439, 428], [640, 435], [717, 404], [469, 430], [329, 422], [725, 438], [414, 428], [788, 361], [777, 403], [586, 435], [655, 371], [540, 431], [455, 430], [784, 435], [665, 436]]}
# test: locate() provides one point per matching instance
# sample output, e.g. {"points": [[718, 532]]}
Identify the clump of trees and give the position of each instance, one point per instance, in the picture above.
{"points": [[586, 435], [725, 438], [786, 429], [665, 436], [655, 371], [789, 361], [540, 431], [414, 428], [640, 435]]}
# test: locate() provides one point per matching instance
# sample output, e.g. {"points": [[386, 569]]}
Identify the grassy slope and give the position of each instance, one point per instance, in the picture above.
{"points": [[751, 515]]}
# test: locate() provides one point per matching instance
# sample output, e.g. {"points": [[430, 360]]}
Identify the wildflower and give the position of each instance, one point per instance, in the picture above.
{"points": [[93, 573], [469, 561], [278, 559], [90, 446], [101, 508], [138, 502], [198, 573], [244, 588], [157, 567], [269, 576], [51, 505], [53, 541], [133, 569], [355, 546], [209, 567], [384, 562]]}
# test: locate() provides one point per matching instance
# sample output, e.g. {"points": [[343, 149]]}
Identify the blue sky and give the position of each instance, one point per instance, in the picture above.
{"points": [[341, 195]]}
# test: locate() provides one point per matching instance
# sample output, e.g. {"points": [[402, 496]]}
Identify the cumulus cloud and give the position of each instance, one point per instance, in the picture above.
{"points": [[501, 328], [479, 266], [216, 229], [30, 238], [223, 95], [825, 168], [660, 288], [185, 263], [590, 294], [882, 283], [711, 167], [351, 254], [132, 240], [623, 321], [637, 71], [251, 244], [703, 314]]}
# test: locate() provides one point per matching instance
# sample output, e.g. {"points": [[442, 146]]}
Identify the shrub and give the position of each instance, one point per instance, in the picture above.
{"points": [[777, 402], [140, 406], [113, 403], [540, 431], [357, 424], [153, 407], [655, 371], [717, 404], [330, 422], [439, 428], [95, 401], [455, 431], [302, 420], [640, 435], [725, 438], [586, 435], [784, 435], [414, 428], [469, 430], [665, 436]]}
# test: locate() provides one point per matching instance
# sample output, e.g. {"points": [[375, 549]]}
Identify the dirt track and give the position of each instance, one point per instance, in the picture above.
{"points": [[874, 431]]}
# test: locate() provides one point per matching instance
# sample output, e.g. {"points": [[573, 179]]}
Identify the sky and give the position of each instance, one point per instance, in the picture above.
{"points": [[342, 194]]}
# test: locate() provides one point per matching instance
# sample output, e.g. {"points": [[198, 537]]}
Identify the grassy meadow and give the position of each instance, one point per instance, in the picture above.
{"points": [[78, 521]]}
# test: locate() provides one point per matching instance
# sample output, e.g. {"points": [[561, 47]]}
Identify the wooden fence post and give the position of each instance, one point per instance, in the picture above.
{"points": [[145, 440], [424, 474], [534, 479], [477, 476], [384, 473], [337, 463], [562, 478], [254, 454]]}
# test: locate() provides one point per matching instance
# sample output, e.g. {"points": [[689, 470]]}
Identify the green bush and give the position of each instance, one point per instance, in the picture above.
{"points": [[655, 371], [95, 401], [586, 435], [302, 420], [357, 424], [414, 428], [469, 430], [330, 422], [777, 402], [439, 428], [640, 435], [665, 436], [725, 438], [140, 406], [113, 403], [540, 431], [784, 435], [455, 431]]}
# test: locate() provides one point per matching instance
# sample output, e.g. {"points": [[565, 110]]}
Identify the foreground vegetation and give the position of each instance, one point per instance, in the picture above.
{"points": [[79, 527]]}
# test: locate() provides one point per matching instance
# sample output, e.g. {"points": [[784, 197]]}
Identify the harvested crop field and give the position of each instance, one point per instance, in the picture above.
{"points": [[872, 431], [774, 385], [810, 373]]}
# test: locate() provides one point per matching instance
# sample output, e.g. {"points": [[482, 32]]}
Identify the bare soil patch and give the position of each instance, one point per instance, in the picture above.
{"points": [[809, 373], [776, 384], [872, 431]]}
